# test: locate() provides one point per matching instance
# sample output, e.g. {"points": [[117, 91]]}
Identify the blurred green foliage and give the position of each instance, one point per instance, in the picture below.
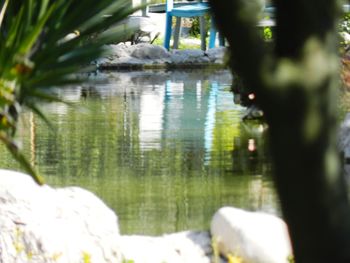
{"points": [[267, 33], [195, 28]]}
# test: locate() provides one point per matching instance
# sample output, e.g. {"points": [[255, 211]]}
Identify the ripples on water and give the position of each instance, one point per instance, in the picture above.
{"points": [[165, 150]]}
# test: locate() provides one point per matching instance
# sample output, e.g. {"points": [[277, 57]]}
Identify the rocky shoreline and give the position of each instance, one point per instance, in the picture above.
{"points": [[148, 56]]}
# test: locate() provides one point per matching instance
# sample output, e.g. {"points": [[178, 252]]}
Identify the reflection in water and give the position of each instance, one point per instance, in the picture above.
{"points": [[151, 118], [251, 145], [32, 139], [210, 119], [164, 150]]}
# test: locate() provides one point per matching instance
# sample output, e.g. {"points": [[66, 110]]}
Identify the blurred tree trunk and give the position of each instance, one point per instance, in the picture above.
{"points": [[296, 85]]}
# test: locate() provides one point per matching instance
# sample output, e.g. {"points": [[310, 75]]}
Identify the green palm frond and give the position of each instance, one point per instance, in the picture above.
{"points": [[38, 50], [3, 10]]}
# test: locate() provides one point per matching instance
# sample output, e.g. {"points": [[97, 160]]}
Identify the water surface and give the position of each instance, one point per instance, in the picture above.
{"points": [[164, 150]]}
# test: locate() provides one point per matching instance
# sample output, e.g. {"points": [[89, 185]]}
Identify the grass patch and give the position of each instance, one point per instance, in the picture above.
{"points": [[184, 43]]}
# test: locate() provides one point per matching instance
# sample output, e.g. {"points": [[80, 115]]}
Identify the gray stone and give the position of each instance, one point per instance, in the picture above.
{"points": [[344, 136], [43, 224], [252, 236], [119, 51], [153, 56], [344, 143], [148, 51], [133, 55], [183, 247], [216, 55], [189, 56]]}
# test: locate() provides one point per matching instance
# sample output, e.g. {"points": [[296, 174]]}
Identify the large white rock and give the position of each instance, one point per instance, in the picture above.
{"points": [[253, 236], [183, 247], [43, 224]]}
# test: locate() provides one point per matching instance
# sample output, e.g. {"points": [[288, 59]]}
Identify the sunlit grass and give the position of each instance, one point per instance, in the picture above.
{"points": [[184, 43]]}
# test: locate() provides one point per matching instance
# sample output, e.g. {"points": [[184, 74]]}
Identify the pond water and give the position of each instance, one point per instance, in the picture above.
{"points": [[164, 150]]}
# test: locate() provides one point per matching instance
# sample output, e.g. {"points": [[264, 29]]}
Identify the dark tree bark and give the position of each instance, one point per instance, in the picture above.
{"points": [[296, 86]]}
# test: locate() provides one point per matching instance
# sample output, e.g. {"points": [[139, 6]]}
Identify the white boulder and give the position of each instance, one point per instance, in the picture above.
{"points": [[252, 236], [43, 224], [183, 247]]}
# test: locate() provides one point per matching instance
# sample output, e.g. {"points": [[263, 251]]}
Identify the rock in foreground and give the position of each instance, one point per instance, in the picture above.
{"points": [[183, 247], [254, 237], [43, 224]]}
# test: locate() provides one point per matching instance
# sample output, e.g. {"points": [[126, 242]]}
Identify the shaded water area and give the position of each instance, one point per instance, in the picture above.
{"points": [[164, 150]]}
